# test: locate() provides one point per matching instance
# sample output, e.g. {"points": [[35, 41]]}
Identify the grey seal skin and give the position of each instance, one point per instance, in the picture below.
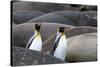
{"points": [[74, 18], [22, 5], [88, 8], [23, 32], [81, 48], [21, 16], [92, 14], [40, 6], [22, 57], [81, 7]]}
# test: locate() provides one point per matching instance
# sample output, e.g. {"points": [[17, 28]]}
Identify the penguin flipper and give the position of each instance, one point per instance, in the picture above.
{"points": [[30, 41], [54, 46]]}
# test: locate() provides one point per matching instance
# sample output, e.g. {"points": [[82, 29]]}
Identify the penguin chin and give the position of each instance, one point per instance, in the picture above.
{"points": [[37, 31]]}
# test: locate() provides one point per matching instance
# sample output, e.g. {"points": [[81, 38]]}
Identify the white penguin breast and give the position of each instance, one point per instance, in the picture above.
{"points": [[36, 44], [61, 50]]}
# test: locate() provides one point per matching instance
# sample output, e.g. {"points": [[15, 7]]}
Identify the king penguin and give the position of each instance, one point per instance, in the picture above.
{"points": [[35, 42], [59, 48]]}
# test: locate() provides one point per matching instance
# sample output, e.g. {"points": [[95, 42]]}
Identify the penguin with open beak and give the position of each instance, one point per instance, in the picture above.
{"points": [[59, 48], [35, 42]]}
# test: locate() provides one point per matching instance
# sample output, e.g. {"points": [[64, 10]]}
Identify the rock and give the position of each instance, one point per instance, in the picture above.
{"points": [[22, 32], [22, 57], [82, 48], [71, 33], [21, 16], [74, 18]]}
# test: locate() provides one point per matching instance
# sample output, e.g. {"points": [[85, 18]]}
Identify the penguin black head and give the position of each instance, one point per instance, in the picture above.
{"points": [[37, 27], [61, 29]]}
